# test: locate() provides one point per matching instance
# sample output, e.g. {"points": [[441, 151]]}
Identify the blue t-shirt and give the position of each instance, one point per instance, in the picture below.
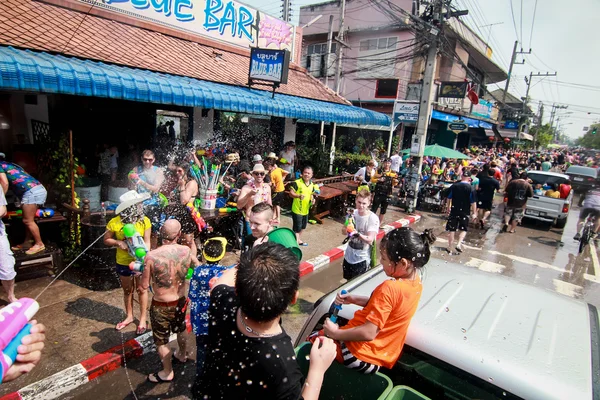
{"points": [[200, 297]]}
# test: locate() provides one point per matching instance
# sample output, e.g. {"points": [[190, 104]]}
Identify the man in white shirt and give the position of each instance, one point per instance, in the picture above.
{"points": [[396, 162], [288, 158], [358, 256]]}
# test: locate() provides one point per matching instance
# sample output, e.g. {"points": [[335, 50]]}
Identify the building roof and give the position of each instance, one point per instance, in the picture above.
{"points": [[40, 26], [497, 94], [55, 73]]}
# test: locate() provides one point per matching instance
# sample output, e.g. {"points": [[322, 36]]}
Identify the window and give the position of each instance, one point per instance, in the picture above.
{"points": [[376, 58], [320, 48], [386, 88], [378, 44]]}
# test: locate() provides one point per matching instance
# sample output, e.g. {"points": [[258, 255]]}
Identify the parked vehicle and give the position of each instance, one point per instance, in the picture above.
{"points": [[547, 209], [478, 335], [582, 178]]}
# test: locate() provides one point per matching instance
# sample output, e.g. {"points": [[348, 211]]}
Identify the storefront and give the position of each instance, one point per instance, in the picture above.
{"points": [[124, 75]]}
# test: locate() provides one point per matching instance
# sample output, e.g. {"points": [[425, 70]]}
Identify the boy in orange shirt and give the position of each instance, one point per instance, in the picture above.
{"points": [[375, 337]]}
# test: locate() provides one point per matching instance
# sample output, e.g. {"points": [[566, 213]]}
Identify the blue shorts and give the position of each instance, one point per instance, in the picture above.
{"points": [[35, 195], [123, 270]]}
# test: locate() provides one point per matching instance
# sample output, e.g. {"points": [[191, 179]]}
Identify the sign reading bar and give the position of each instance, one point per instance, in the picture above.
{"points": [[511, 124], [457, 90], [269, 65], [228, 21], [406, 111]]}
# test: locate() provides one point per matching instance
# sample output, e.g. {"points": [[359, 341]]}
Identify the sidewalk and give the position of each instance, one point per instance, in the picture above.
{"points": [[80, 322]]}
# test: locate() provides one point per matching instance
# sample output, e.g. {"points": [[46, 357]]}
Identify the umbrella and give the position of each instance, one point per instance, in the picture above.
{"points": [[438, 151]]}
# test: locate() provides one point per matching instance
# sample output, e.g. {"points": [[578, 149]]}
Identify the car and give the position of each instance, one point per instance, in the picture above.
{"points": [[548, 209], [582, 178], [487, 336]]}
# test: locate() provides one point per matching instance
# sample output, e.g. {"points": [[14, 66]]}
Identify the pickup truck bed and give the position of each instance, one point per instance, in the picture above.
{"points": [[548, 209]]}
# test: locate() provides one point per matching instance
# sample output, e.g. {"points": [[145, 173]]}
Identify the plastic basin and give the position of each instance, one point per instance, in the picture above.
{"points": [[343, 383], [287, 238], [405, 393]]}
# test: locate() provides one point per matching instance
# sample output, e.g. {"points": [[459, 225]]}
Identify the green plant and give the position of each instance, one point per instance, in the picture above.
{"points": [[313, 154], [61, 171]]}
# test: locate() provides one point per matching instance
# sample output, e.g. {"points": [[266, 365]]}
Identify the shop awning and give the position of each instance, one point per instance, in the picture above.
{"points": [[49, 73]]}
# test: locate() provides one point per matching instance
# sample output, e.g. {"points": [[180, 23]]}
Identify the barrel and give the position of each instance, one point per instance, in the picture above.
{"points": [[115, 192], [89, 188], [208, 199], [99, 260], [287, 238]]}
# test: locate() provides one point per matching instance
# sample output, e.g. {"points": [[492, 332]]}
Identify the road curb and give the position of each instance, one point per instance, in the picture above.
{"points": [[320, 261], [70, 378]]}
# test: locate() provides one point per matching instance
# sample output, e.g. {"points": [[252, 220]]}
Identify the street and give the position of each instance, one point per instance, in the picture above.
{"points": [[539, 256]]}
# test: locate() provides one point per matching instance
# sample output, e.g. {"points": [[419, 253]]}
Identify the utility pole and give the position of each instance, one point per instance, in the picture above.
{"points": [[528, 82], [340, 40], [329, 40], [287, 10], [539, 123], [417, 148], [510, 68]]}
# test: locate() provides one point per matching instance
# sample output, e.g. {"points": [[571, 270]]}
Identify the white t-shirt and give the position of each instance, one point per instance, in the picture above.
{"points": [[364, 225], [396, 163], [592, 200], [290, 157]]}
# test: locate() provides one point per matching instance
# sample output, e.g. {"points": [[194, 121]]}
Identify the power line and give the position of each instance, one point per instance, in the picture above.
{"points": [[513, 19], [533, 23]]}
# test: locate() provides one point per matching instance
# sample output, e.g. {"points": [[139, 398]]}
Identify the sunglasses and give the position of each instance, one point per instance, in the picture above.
{"points": [[148, 159], [258, 173]]}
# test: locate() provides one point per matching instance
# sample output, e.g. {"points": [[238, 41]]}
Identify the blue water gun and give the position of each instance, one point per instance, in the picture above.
{"points": [[336, 309]]}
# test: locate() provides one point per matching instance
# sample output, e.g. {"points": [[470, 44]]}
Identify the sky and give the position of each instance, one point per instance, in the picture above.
{"points": [[563, 40]]}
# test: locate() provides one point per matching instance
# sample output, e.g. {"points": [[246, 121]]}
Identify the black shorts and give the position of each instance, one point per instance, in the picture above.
{"points": [[380, 200], [351, 271], [299, 222], [592, 212], [278, 199], [457, 221], [485, 205]]}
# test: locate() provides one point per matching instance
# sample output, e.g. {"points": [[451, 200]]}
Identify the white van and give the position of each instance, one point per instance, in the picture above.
{"points": [[478, 335]]}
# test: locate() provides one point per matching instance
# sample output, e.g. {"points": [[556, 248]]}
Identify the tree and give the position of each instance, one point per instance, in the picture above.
{"points": [[544, 135], [591, 140]]}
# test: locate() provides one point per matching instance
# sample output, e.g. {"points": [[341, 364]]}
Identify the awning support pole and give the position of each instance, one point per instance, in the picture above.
{"points": [[392, 129], [332, 152], [322, 136]]}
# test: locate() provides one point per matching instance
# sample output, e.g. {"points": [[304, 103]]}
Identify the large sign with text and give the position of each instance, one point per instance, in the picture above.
{"points": [[228, 21], [483, 109], [269, 65]]}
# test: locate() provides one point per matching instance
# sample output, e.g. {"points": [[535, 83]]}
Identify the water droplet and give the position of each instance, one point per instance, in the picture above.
{"points": [[491, 379], [447, 309], [268, 355], [248, 382], [465, 338], [463, 330]]}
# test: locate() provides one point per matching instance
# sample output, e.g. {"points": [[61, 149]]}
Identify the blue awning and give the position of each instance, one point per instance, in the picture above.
{"points": [[49, 73]]}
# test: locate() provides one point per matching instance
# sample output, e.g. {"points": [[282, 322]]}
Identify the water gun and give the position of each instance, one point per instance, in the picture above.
{"points": [[227, 210], [190, 273], [40, 213], [336, 309], [14, 326], [133, 176], [349, 224], [162, 200], [196, 216], [137, 247]]}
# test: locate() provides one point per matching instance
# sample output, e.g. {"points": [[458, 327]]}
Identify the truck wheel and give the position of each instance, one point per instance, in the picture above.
{"points": [[561, 223]]}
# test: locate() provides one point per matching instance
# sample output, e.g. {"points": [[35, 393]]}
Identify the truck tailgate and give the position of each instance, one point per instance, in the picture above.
{"points": [[537, 205]]}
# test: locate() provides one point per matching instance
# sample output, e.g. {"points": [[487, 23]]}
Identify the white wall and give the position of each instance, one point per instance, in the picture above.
{"points": [[203, 127], [290, 131]]}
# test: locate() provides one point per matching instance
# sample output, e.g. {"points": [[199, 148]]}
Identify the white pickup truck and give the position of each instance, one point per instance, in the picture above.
{"points": [[548, 209]]}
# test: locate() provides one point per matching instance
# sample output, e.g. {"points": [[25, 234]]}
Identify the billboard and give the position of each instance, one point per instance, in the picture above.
{"points": [[227, 21], [455, 90], [406, 111], [269, 65]]}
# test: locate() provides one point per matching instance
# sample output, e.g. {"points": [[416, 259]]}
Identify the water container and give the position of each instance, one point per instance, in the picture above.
{"points": [[208, 199], [343, 383], [90, 189], [287, 238], [100, 260], [114, 193], [405, 393]]}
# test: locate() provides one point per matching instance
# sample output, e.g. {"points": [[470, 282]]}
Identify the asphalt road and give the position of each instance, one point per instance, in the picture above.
{"points": [[536, 254]]}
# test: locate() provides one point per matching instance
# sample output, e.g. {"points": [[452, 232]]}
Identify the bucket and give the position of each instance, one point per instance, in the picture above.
{"points": [[208, 199], [99, 260], [287, 238], [90, 189], [114, 193]]}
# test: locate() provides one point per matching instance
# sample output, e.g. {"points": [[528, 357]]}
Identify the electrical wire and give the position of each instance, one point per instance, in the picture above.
{"points": [[533, 23], [78, 26], [512, 11]]}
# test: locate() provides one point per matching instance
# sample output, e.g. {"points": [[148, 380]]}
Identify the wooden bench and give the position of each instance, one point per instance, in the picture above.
{"points": [[327, 194]]}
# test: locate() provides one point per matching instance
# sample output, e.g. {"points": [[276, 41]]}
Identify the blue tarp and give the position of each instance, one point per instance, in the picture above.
{"points": [[473, 123], [49, 73]]}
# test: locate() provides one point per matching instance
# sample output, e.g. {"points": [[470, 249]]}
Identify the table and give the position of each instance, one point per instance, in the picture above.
{"points": [[331, 191]]}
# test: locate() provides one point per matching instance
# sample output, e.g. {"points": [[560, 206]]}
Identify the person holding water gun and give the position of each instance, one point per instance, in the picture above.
{"points": [[375, 336], [21, 339], [129, 211], [199, 295], [184, 193], [165, 269], [148, 178], [303, 192]]}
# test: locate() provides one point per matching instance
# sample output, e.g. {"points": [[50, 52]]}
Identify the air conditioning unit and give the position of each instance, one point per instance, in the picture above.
{"points": [[315, 65]]}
